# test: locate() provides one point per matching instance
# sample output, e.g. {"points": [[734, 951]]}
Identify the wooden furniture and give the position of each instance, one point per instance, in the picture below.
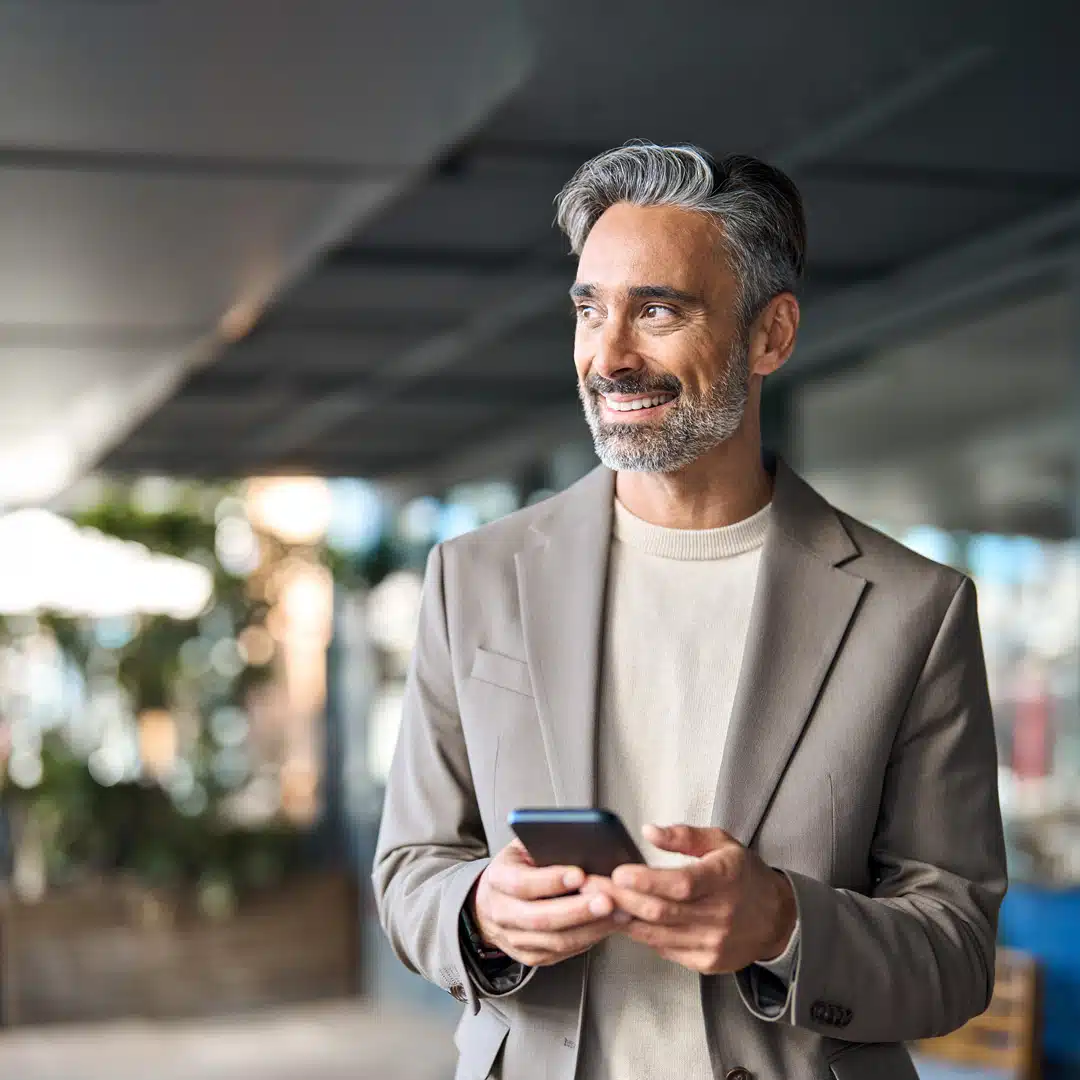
{"points": [[116, 949], [1003, 1039]]}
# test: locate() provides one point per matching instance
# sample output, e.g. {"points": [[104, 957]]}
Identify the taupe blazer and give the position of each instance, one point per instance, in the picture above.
{"points": [[860, 759]]}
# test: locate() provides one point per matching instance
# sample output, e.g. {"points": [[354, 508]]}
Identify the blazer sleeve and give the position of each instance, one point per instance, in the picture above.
{"points": [[431, 847], [915, 958]]}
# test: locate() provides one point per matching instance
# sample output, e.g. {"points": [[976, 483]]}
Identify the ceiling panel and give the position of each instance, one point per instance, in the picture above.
{"points": [[108, 249], [469, 216], [753, 78], [1005, 120], [546, 359], [317, 83], [883, 225], [327, 348]]}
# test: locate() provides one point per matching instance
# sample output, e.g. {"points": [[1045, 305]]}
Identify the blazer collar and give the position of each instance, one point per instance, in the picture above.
{"points": [[584, 512], [803, 605]]}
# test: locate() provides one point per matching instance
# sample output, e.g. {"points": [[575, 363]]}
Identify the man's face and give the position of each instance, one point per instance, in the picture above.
{"points": [[660, 357]]}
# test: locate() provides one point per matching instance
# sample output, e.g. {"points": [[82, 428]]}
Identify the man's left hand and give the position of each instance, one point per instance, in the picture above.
{"points": [[720, 913]]}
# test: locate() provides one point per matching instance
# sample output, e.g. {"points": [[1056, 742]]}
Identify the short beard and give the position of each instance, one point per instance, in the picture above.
{"points": [[690, 428]]}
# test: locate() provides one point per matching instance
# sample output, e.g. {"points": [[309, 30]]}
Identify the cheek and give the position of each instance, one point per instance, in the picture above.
{"points": [[688, 354], [704, 371]]}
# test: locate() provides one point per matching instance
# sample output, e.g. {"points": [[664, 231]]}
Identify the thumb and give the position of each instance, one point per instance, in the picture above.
{"points": [[687, 839], [516, 852]]}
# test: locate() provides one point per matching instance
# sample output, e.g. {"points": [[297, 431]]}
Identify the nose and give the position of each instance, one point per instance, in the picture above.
{"points": [[614, 355]]}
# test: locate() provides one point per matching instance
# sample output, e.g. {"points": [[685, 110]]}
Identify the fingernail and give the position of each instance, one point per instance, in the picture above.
{"points": [[600, 905], [572, 879]]}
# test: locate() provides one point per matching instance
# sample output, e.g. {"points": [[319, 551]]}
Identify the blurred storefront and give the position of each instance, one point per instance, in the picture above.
{"points": [[162, 692]]}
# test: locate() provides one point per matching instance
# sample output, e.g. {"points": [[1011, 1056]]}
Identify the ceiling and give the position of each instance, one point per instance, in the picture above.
{"points": [[167, 168], [428, 337]]}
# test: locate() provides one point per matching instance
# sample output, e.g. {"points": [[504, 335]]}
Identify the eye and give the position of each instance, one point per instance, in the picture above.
{"points": [[584, 312], [657, 311]]}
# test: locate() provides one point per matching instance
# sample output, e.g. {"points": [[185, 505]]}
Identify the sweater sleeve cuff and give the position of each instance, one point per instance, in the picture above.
{"points": [[783, 966]]}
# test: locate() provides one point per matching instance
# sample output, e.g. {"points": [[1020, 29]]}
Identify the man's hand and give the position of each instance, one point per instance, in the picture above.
{"points": [[536, 914], [719, 914]]}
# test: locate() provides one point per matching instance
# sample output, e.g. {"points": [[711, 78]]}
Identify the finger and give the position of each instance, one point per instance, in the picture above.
{"points": [[650, 909], [596, 884], [689, 937], [560, 944], [674, 883], [688, 839], [562, 913], [533, 882]]}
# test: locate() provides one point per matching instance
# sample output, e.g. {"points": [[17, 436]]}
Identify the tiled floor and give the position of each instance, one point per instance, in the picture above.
{"points": [[406, 1035], [337, 1041], [340, 1041]]}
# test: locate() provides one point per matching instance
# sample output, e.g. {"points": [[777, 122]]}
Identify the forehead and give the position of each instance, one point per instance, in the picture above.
{"points": [[652, 245]]}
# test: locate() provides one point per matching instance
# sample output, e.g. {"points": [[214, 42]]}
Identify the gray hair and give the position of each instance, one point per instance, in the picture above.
{"points": [[758, 208]]}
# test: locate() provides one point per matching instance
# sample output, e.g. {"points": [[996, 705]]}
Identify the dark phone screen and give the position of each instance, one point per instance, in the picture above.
{"points": [[596, 840]]}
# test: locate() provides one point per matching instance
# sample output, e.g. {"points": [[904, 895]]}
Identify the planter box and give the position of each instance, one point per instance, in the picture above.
{"points": [[115, 950]]}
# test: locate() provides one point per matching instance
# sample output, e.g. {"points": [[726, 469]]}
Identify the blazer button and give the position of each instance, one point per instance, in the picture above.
{"points": [[739, 1073]]}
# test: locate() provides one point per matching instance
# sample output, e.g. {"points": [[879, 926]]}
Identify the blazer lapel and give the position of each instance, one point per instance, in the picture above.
{"points": [[802, 608], [562, 575]]}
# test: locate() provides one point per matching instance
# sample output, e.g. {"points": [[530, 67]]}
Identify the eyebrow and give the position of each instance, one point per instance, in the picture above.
{"points": [[585, 291], [663, 292]]}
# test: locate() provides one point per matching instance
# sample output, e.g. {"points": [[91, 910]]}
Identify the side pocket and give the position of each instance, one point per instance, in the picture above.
{"points": [[479, 1039], [873, 1061]]}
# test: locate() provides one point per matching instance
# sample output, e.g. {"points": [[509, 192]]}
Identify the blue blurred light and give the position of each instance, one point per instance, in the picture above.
{"points": [[988, 557], [357, 516], [419, 521], [455, 519], [931, 542], [115, 632], [1006, 560]]}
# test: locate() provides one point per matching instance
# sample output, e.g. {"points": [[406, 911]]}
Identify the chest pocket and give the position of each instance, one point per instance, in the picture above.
{"points": [[503, 671], [506, 746]]}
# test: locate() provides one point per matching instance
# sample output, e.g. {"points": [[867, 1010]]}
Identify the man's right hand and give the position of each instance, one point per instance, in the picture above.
{"points": [[536, 914]]}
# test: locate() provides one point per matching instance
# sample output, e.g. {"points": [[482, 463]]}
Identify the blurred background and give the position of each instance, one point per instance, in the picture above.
{"points": [[281, 305]]}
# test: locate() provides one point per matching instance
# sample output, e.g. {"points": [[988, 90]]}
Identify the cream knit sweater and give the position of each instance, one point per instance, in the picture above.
{"points": [[678, 609]]}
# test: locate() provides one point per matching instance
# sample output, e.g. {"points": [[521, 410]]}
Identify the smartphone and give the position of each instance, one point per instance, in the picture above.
{"points": [[596, 840]]}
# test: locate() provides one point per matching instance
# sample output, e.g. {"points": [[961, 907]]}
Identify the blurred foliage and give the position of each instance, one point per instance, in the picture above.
{"points": [[149, 662], [85, 827], [370, 567]]}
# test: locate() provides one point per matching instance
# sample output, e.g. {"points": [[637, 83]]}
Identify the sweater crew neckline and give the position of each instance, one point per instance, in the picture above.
{"points": [[691, 544]]}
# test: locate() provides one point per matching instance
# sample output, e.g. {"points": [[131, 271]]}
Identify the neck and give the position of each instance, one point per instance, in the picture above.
{"points": [[727, 485]]}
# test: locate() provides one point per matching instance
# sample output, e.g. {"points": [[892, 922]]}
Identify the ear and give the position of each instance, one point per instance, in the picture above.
{"points": [[772, 337]]}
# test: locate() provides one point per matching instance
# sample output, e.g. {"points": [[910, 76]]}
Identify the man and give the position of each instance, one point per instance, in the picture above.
{"points": [[788, 707]]}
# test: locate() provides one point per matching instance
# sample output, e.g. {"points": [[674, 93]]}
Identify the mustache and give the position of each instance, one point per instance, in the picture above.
{"points": [[633, 384]]}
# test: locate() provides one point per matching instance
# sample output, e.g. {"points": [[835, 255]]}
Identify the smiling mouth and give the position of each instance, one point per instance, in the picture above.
{"points": [[645, 404]]}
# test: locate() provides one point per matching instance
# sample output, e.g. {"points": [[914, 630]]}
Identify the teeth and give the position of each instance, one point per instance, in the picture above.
{"points": [[639, 403]]}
